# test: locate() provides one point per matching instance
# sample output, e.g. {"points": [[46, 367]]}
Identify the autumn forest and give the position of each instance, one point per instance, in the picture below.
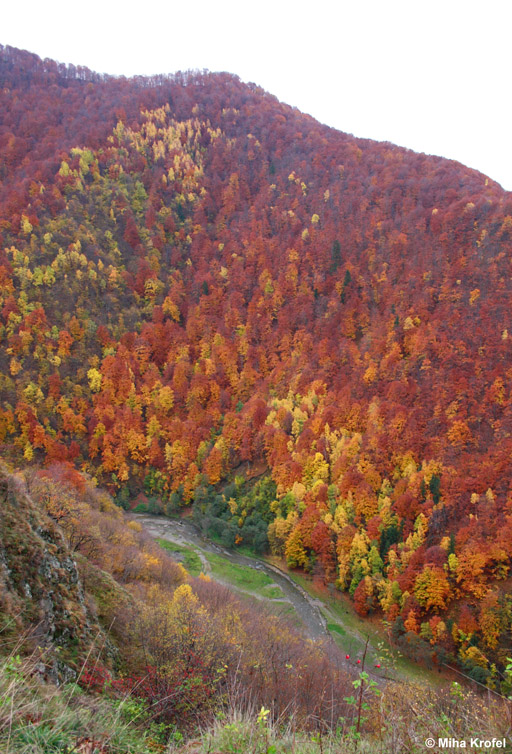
{"points": [[211, 305]]}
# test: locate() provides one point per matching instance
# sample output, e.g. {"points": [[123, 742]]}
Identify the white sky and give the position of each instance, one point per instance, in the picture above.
{"points": [[432, 76]]}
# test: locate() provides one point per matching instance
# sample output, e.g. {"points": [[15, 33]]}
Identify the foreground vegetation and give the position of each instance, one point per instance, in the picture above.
{"points": [[38, 718]]}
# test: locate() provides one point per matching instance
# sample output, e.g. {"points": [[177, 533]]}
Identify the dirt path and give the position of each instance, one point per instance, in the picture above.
{"points": [[185, 533]]}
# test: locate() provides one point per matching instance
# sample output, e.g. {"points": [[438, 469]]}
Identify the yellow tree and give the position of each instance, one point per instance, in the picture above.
{"points": [[432, 589], [295, 552]]}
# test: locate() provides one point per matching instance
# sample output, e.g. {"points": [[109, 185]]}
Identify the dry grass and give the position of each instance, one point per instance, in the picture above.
{"points": [[38, 717]]}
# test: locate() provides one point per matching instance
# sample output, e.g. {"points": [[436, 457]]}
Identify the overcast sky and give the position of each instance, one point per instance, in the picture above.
{"points": [[434, 77]]}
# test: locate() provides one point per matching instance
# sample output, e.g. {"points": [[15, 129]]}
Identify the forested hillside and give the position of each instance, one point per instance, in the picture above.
{"points": [[211, 299]]}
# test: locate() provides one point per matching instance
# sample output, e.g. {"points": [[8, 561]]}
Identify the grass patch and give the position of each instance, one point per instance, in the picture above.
{"points": [[185, 555], [273, 592], [241, 577], [348, 642], [336, 629]]}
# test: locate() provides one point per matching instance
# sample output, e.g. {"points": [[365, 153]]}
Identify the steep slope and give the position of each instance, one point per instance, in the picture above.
{"points": [[199, 283], [42, 600]]}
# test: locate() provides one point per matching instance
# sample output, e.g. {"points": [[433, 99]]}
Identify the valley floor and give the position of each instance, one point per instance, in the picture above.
{"points": [[320, 614]]}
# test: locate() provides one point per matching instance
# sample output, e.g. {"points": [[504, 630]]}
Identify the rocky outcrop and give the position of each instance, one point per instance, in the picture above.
{"points": [[42, 604]]}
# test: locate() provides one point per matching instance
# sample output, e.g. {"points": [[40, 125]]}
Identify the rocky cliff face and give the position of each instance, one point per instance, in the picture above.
{"points": [[42, 603]]}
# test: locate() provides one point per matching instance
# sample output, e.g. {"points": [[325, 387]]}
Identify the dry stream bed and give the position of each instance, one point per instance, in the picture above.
{"points": [[317, 618]]}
